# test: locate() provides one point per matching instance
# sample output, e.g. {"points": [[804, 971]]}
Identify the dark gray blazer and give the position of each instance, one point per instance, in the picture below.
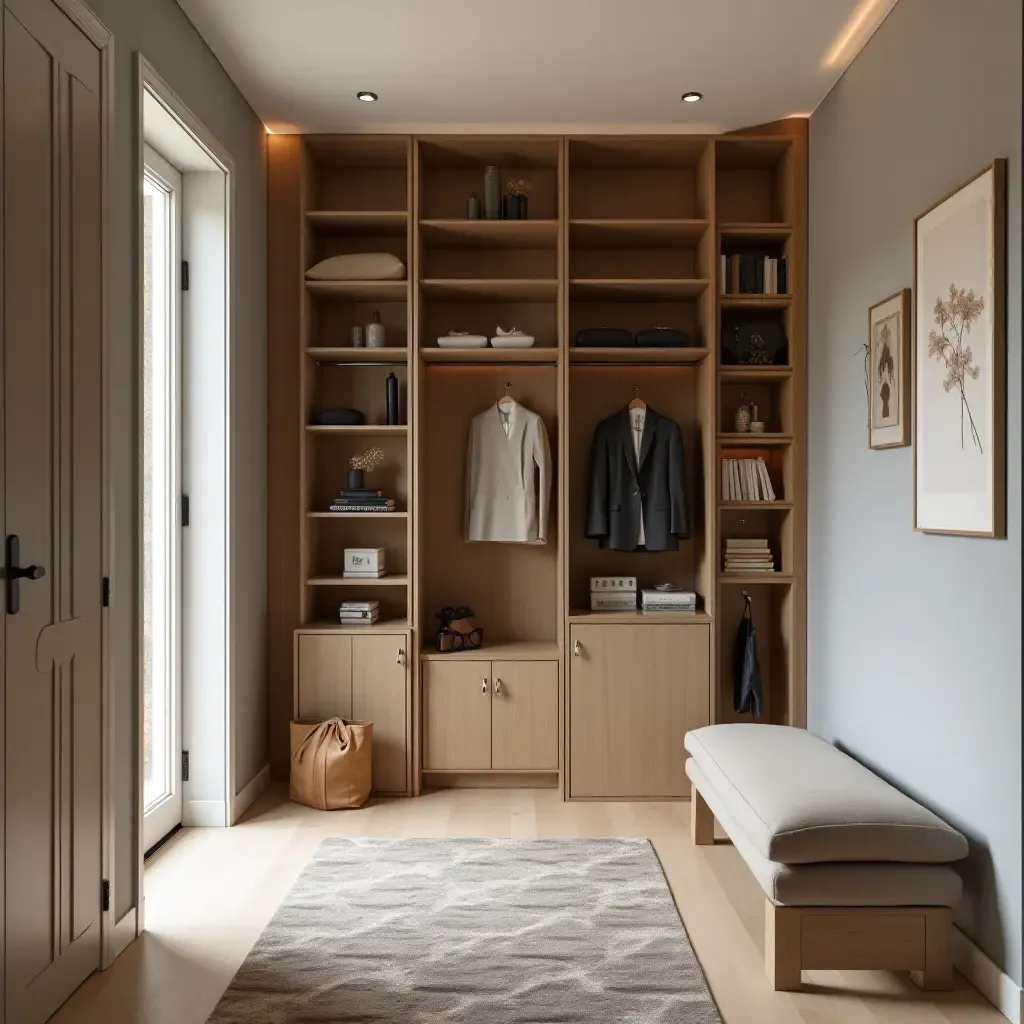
{"points": [[618, 483]]}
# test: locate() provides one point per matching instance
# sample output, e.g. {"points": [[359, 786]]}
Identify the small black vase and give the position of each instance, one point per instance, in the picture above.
{"points": [[355, 480], [510, 207]]}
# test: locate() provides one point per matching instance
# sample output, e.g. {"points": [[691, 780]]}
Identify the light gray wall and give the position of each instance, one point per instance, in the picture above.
{"points": [[915, 641], [163, 34]]}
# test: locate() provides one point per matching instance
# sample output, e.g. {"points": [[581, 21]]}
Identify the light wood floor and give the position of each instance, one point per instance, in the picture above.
{"points": [[210, 892]]}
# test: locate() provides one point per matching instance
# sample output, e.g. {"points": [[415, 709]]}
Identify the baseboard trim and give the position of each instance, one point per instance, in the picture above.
{"points": [[250, 793], [988, 978], [204, 813]]}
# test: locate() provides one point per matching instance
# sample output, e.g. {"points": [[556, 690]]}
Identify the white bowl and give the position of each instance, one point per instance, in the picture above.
{"points": [[462, 341], [512, 341]]}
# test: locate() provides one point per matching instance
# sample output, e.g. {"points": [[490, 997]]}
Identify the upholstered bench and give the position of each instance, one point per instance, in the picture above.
{"points": [[856, 873]]}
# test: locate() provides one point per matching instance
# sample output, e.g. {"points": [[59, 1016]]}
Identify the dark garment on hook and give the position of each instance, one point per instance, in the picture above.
{"points": [[747, 692]]}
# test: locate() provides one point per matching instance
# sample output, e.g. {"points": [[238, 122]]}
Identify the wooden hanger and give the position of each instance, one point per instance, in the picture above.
{"points": [[507, 402], [638, 402]]}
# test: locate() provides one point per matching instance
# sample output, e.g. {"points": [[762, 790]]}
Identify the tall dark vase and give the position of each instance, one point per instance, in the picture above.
{"points": [[392, 399], [492, 193]]}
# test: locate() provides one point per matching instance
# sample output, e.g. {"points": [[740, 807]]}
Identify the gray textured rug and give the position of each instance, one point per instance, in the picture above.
{"points": [[474, 931]]}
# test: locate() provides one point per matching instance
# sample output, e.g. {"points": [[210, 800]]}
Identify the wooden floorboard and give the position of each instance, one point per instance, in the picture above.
{"points": [[210, 892]]}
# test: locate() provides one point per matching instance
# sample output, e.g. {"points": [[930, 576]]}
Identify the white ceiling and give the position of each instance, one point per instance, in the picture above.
{"points": [[558, 65]]}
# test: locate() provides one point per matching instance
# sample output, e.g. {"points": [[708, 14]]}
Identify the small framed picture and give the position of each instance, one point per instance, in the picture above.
{"points": [[888, 371]]}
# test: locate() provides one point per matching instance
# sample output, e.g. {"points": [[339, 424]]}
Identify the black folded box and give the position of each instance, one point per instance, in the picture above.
{"points": [[604, 337], [663, 337], [339, 418]]}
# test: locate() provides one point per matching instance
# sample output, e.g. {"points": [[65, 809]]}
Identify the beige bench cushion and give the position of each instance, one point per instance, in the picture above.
{"points": [[834, 885], [358, 266], [799, 800]]}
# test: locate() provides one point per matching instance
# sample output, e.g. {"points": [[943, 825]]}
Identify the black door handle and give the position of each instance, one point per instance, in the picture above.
{"points": [[14, 573]]}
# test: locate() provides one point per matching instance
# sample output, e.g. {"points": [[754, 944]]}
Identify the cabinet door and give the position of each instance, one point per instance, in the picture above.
{"points": [[380, 695], [524, 715], [457, 715], [323, 676], [634, 692]]}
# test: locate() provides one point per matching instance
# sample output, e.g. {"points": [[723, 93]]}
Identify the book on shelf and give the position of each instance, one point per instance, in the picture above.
{"points": [[668, 600], [360, 492], [359, 620], [353, 607], [363, 574], [748, 555], [753, 273], [746, 480], [365, 506], [613, 601]]}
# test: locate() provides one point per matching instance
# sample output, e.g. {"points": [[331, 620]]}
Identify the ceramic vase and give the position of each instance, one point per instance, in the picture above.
{"points": [[741, 421], [492, 193], [375, 333]]}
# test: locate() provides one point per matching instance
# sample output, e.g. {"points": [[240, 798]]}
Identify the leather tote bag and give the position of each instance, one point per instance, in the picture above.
{"points": [[747, 692], [331, 763]]}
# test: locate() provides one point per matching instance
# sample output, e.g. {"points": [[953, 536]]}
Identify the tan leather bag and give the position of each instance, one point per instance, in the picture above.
{"points": [[331, 763]]}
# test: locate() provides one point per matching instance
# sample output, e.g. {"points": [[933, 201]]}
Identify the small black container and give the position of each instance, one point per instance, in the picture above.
{"points": [[355, 480], [392, 399]]}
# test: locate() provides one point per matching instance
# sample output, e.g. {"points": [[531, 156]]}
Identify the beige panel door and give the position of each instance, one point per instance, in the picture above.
{"points": [[524, 715], [380, 694], [634, 691], [52, 447], [323, 676], [456, 715]]}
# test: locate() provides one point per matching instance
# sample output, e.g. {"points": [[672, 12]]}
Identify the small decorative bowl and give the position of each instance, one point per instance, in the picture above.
{"points": [[757, 426]]}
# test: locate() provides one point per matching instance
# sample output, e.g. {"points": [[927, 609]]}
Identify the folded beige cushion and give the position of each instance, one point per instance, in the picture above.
{"points": [[359, 266], [834, 885], [799, 800]]}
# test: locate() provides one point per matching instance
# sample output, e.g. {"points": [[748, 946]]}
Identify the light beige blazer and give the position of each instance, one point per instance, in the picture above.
{"points": [[508, 479]]}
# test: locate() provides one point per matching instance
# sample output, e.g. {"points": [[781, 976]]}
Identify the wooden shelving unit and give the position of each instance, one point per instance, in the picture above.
{"points": [[624, 232]]}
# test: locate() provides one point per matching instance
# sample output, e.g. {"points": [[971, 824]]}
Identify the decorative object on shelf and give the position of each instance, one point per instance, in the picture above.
{"points": [[741, 421], [375, 332], [458, 631], [339, 418], [756, 424], [960, 361], [515, 202], [364, 564], [602, 584], [359, 465], [473, 207], [604, 337], [656, 599], [746, 556], [746, 480], [755, 343], [358, 337], [514, 338], [613, 593], [662, 337], [358, 613], [492, 193], [358, 266], [461, 339], [391, 398], [747, 691], [361, 499], [754, 274], [887, 371]]}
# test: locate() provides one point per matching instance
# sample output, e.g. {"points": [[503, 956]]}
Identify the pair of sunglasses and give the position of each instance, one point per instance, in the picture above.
{"points": [[452, 640]]}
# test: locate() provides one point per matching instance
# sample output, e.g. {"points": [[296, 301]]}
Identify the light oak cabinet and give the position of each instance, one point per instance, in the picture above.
{"points": [[634, 691], [490, 716], [365, 679]]}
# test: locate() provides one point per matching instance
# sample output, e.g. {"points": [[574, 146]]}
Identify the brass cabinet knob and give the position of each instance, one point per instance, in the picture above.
{"points": [[497, 686], [576, 648], [400, 660], [483, 685]]}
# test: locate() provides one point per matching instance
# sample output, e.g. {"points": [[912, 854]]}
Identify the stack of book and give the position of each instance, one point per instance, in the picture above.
{"points": [[359, 613], [655, 600], [754, 274], [746, 480], [364, 499], [744, 555], [613, 593]]}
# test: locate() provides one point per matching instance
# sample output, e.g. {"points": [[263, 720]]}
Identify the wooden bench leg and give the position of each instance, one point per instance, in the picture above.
{"points": [[937, 975], [782, 947], [702, 820]]}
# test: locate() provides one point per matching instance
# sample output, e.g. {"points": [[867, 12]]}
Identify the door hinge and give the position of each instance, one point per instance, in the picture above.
{"points": [[105, 894], [184, 275], [186, 510], [184, 766], [106, 591]]}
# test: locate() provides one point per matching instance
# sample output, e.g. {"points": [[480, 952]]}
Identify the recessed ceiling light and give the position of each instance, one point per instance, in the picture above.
{"points": [[367, 97], [692, 97]]}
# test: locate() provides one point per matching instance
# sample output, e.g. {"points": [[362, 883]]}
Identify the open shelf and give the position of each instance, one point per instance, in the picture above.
{"points": [[348, 354], [484, 290], [752, 579], [636, 233], [357, 515], [750, 440], [755, 301], [637, 290], [490, 234], [543, 356], [365, 430], [380, 626], [780, 505], [760, 232], [639, 356], [359, 222], [637, 617], [763, 374], [361, 291], [501, 650], [340, 581]]}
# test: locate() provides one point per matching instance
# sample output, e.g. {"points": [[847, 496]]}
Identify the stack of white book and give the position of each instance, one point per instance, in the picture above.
{"points": [[655, 600], [746, 480], [364, 564], [613, 593], [748, 555], [359, 613]]}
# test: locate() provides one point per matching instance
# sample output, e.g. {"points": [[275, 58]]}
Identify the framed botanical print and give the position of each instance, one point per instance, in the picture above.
{"points": [[960, 360], [888, 371]]}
